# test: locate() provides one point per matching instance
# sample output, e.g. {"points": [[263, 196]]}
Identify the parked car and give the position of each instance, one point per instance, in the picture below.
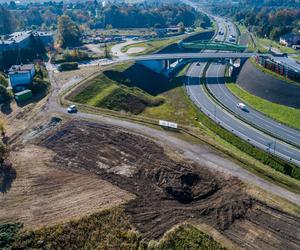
{"points": [[242, 106], [72, 109]]}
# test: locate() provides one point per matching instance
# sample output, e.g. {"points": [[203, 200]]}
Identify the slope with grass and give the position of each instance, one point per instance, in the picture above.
{"points": [[109, 229], [263, 44], [117, 90], [264, 84], [286, 115]]}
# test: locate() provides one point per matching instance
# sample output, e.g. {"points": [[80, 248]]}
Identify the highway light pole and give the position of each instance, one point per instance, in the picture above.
{"points": [[215, 113]]}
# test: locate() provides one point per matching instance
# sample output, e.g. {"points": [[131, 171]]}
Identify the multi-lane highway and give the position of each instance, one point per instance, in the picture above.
{"points": [[218, 88], [199, 96], [252, 126]]}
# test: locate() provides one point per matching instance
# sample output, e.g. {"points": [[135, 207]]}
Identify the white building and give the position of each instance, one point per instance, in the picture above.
{"points": [[21, 76]]}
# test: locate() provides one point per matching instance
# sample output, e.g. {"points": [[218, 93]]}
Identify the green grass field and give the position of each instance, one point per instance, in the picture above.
{"points": [[150, 46], [263, 45], [286, 115], [114, 90], [297, 58]]}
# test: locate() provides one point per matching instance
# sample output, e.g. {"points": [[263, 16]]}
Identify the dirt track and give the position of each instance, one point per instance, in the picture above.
{"points": [[168, 191]]}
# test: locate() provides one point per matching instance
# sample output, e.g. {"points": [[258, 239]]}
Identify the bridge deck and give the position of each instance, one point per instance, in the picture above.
{"points": [[206, 55]]}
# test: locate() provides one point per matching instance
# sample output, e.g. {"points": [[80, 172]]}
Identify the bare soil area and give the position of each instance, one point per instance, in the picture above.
{"points": [[74, 75], [44, 195], [168, 191]]}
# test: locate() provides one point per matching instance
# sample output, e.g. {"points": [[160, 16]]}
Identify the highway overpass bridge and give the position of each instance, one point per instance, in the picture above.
{"points": [[213, 45], [165, 63]]}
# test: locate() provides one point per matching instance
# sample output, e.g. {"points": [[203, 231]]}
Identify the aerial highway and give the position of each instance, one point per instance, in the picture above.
{"points": [[219, 90], [204, 55], [198, 95], [252, 126]]}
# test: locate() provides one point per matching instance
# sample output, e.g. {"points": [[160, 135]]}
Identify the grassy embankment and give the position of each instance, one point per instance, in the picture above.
{"points": [[297, 58], [272, 73], [109, 229], [150, 46], [281, 113], [263, 45], [114, 90], [177, 107]]}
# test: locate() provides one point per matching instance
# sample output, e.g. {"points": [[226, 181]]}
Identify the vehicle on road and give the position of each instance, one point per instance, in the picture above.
{"points": [[242, 106], [72, 109], [198, 64]]}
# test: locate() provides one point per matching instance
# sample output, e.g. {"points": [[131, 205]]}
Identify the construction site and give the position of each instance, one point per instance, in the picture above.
{"points": [[81, 167]]}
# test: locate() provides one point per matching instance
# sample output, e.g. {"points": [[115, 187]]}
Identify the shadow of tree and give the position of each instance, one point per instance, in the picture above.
{"points": [[7, 175], [6, 108]]}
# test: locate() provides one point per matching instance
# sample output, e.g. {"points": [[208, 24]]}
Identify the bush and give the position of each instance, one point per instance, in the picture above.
{"points": [[3, 81], [75, 55], [39, 86], [68, 66]]}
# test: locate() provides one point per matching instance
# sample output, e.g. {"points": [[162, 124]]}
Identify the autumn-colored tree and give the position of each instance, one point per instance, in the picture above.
{"points": [[68, 33]]}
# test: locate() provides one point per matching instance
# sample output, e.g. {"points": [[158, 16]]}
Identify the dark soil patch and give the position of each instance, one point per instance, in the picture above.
{"points": [[267, 87], [169, 192]]}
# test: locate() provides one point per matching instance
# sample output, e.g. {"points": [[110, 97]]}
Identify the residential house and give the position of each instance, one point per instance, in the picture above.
{"points": [[290, 39], [21, 76]]}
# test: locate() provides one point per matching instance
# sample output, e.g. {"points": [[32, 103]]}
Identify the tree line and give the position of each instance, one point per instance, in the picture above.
{"points": [[267, 18], [92, 14]]}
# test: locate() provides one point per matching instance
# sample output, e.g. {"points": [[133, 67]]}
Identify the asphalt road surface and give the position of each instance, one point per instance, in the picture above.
{"points": [[198, 95], [218, 88]]}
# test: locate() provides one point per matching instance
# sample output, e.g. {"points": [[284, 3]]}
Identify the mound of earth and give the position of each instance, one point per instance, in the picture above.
{"points": [[123, 99], [169, 192], [267, 87], [140, 77]]}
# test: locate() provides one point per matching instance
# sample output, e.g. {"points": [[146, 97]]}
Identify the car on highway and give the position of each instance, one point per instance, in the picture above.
{"points": [[242, 106], [72, 109]]}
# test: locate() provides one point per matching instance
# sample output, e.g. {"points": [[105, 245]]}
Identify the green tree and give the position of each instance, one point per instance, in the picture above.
{"points": [[3, 81], [7, 22], [4, 95], [68, 33]]}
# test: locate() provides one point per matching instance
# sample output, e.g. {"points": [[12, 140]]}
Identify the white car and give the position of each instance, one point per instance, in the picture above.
{"points": [[242, 106], [72, 109]]}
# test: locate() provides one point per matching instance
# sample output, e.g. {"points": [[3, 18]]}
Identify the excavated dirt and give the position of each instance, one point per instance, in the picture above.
{"points": [[169, 192]]}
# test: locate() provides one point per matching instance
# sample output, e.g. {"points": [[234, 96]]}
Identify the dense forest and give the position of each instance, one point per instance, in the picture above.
{"points": [[91, 14], [267, 18]]}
